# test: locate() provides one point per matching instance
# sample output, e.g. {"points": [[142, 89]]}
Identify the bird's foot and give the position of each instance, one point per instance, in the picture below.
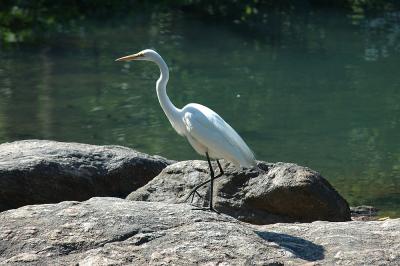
{"points": [[211, 209], [207, 209], [194, 190], [192, 194]]}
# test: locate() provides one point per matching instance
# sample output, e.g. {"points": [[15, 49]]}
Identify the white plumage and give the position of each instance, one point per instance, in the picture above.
{"points": [[208, 132]]}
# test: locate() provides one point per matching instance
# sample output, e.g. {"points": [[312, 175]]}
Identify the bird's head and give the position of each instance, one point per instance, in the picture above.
{"points": [[147, 55]]}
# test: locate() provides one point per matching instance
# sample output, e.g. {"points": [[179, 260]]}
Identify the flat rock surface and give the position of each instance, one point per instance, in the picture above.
{"points": [[112, 231], [273, 192], [42, 171]]}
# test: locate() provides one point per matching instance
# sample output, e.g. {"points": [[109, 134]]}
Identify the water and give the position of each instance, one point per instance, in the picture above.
{"points": [[320, 89]]}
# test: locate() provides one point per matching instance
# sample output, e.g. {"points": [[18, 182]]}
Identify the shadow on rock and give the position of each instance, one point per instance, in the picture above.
{"points": [[300, 247]]}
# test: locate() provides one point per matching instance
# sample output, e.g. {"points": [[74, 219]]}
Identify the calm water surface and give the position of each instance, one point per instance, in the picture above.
{"points": [[317, 89]]}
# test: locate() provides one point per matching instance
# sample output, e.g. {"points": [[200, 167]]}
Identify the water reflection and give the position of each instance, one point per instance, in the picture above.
{"points": [[315, 88], [382, 36]]}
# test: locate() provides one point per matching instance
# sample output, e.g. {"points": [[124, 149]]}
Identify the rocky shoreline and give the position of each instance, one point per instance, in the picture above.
{"points": [[277, 214]]}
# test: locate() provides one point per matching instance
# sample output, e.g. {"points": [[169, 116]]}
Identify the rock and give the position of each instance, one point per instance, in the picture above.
{"points": [[348, 243], [364, 213], [41, 171], [114, 231], [276, 192], [104, 231]]}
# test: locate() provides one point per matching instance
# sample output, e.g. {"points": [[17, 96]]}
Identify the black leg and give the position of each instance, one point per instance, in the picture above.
{"points": [[194, 190], [221, 172], [211, 182]]}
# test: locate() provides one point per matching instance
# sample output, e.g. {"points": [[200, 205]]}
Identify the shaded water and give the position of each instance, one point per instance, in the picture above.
{"points": [[317, 89]]}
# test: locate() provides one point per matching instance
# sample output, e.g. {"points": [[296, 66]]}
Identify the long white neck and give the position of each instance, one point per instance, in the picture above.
{"points": [[169, 108]]}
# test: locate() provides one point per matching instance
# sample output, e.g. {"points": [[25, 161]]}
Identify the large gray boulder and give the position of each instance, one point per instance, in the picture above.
{"points": [[111, 231], [42, 171], [273, 192]]}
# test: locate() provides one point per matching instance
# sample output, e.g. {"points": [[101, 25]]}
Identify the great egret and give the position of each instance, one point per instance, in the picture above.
{"points": [[205, 130]]}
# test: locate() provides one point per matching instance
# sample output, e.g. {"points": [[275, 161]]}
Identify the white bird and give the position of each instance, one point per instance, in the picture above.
{"points": [[205, 130]]}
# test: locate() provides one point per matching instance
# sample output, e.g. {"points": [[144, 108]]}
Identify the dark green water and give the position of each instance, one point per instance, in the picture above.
{"points": [[317, 89]]}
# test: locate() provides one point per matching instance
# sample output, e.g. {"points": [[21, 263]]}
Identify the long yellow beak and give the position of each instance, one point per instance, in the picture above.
{"points": [[129, 57]]}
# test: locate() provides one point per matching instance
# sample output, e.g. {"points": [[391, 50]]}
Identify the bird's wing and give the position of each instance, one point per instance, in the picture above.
{"points": [[208, 128]]}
